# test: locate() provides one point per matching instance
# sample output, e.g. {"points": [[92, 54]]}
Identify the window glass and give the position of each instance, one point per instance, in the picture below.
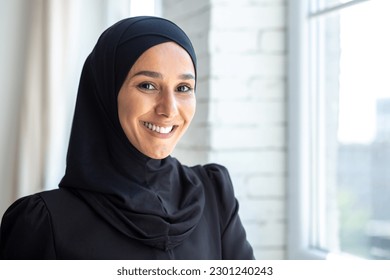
{"points": [[350, 105]]}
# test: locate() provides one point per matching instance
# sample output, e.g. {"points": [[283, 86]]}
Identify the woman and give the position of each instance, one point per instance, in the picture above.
{"points": [[123, 196]]}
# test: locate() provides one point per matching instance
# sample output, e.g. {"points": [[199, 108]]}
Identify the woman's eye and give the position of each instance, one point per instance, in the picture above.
{"points": [[147, 86], [183, 88]]}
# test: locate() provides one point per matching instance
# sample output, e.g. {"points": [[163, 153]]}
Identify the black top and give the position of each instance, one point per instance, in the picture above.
{"points": [[114, 202], [58, 224]]}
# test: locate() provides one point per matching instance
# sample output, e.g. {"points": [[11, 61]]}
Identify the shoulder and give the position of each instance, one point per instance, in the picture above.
{"points": [[213, 176], [217, 172], [218, 187], [218, 176], [32, 205], [31, 210], [26, 230]]}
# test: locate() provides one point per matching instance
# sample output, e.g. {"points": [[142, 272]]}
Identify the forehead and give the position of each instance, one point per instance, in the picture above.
{"points": [[166, 57]]}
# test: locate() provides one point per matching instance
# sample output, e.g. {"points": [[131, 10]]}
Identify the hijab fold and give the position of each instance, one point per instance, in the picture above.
{"points": [[158, 202]]}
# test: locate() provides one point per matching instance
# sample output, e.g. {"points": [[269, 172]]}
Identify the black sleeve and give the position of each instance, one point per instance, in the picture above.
{"points": [[26, 232], [234, 243]]}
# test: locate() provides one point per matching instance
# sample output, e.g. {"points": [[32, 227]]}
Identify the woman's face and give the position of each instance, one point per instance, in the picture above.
{"points": [[156, 103]]}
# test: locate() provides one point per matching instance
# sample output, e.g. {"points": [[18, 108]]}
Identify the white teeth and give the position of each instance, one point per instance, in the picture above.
{"points": [[159, 129]]}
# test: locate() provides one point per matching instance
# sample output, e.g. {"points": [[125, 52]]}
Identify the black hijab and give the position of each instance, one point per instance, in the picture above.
{"points": [[158, 202]]}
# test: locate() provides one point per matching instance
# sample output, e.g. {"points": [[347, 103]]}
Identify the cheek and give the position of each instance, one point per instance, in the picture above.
{"points": [[131, 107], [125, 112], [127, 116], [189, 109]]}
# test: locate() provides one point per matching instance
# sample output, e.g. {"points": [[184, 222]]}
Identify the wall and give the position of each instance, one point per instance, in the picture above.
{"points": [[241, 115]]}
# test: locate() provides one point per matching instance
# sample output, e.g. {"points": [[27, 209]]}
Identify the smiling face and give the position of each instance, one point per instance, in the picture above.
{"points": [[156, 103]]}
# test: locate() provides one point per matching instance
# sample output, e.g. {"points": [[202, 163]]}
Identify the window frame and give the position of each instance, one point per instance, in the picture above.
{"points": [[301, 171], [298, 238]]}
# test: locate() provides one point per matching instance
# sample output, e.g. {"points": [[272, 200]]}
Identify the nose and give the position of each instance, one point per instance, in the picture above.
{"points": [[167, 104]]}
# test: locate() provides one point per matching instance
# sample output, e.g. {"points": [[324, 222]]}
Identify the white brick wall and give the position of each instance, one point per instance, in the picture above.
{"points": [[241, 117]]}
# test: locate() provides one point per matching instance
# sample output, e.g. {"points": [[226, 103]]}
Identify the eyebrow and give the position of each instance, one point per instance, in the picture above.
{"points": [[187, 76], [158, 75]]}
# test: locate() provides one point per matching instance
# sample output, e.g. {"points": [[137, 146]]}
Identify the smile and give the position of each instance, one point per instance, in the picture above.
{"points": [[158, 129]]}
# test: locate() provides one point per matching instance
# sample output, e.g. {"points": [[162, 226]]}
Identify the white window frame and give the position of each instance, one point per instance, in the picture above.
{"points": [[298, 238], [300, 145]]}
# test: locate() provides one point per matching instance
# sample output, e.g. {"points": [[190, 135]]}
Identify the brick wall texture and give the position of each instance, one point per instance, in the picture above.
{"points": [[241, 106]]}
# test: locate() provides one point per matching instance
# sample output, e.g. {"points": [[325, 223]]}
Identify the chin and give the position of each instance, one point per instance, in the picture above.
{"points": [[159, 155]]}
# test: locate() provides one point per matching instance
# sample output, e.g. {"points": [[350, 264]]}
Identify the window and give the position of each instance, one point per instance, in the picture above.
{"points": [[339, 129]]}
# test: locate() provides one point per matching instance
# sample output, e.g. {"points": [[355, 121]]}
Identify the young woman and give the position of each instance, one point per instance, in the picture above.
{"points": [[123, 196]]}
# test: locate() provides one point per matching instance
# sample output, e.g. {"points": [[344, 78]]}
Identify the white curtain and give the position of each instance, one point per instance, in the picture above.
{"points": [[32, 126], [44, 44]]}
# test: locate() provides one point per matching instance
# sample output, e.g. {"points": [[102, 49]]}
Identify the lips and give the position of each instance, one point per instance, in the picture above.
{"points": [[158, 129]]}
